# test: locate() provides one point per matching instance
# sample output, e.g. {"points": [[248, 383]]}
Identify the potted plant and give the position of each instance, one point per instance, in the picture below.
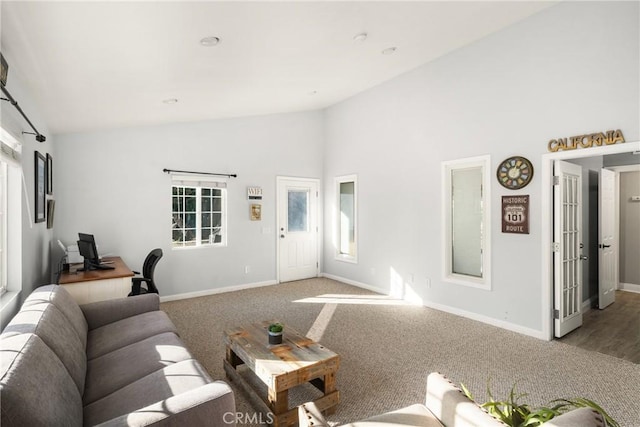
{"points": [[275, 333], [516, 414]]}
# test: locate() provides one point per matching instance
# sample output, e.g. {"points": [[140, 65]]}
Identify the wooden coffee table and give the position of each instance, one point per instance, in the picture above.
{"points": [[296, 361]]}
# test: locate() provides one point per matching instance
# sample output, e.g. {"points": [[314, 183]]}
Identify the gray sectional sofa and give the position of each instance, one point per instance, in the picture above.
{"points": [[110, 363]]}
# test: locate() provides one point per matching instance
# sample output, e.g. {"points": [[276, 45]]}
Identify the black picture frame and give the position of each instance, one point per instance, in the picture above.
{"points": [[49, 174], [51, 205], [40, 186]]}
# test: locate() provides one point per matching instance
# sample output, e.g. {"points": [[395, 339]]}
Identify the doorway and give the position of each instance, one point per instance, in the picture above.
{"points": [[548, 161], [298, 230]]}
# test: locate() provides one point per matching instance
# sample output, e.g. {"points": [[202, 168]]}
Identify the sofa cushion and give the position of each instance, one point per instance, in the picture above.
{"points": [[415, 415], [160, 385], [114, 370], [58, 296], [35, 386], [45, 320], [127, 331], [212, 404]]}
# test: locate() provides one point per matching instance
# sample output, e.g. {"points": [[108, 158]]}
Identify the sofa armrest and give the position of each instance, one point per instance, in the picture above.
{"points": [[104, 312], [581, 417], [310, 416], [450, 405], [212, 404]]}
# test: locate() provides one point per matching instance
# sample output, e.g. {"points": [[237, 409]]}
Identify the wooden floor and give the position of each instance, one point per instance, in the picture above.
{"points": [[614, 330]]}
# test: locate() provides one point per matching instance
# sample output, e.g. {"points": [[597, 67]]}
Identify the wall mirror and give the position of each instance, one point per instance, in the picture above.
{"points": [[466, 220]]}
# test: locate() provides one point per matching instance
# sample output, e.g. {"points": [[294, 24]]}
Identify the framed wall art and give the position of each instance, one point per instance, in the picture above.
{"points": [[49, 174], [40, 167], [256, 212]]}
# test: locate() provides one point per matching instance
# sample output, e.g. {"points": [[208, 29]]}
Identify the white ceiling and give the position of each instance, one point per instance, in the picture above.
{"points": [[103, 64]]}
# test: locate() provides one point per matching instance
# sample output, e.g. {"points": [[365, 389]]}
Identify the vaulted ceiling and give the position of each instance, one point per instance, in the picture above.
{"points": [[96, 65]]}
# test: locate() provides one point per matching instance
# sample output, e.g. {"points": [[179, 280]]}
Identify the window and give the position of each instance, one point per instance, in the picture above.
{"points": [[466, 217], [10, 214], [3, 226], [346, 241], [198, 213]]}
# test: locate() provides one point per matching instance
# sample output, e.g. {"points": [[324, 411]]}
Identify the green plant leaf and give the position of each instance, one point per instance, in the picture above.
{"points": [[466, 392], [516, 414]]}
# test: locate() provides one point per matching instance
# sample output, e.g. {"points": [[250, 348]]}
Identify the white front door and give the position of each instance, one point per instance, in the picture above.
{"points": [[567, 236], [607, 244], [297, 228]]}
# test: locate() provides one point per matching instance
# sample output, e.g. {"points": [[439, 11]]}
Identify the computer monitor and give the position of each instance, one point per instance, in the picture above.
{"points": [[87, 248]]}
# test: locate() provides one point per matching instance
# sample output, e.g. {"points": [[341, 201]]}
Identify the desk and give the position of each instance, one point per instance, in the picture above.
{"points": [[98, 285]]}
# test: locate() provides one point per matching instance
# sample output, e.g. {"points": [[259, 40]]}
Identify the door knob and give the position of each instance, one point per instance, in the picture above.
{"points": [[282, 236], [584, 257], [601, 246]]}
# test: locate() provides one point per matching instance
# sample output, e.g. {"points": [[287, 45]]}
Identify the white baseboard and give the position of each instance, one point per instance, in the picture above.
{"points": [[452, 310], [630, 287], [196, 294], [353, 283]]}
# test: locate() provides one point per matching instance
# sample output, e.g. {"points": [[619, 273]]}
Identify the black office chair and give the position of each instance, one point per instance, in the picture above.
{"points": [[147, 275]]}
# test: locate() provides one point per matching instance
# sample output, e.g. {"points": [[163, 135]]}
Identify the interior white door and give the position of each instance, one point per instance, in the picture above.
{"points": [[607, 244], [567, 236], [297, 228]]}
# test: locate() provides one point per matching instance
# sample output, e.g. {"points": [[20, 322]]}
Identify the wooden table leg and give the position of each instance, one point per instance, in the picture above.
{"points": [[279, 402], [329, 387]]}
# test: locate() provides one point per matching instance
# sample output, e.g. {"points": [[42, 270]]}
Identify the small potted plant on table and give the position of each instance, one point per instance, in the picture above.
{"points": [[275, 333]]}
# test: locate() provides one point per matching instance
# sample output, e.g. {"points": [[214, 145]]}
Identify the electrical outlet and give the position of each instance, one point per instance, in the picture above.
{"points": [[428, 283], [246, 269]]}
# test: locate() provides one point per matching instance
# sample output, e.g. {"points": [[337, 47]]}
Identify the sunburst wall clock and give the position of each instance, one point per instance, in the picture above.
{"points": [[515, 173]]}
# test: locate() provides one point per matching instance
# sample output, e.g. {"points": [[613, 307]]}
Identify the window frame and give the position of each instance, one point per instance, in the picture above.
{"points": [[11, 218], [4, 241], [341, 256], [200, 183], [484, 282]]}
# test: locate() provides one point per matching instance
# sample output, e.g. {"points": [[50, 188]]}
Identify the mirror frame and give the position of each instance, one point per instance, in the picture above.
{"points": [[484, 282]]}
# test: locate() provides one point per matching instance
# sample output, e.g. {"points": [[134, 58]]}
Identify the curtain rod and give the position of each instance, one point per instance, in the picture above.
{"points": [[230, 175], [39, 137]]}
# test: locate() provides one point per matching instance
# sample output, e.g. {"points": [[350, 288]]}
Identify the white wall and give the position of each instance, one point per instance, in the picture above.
{"points": [[570, 69], [111, 184], [35, 237]]}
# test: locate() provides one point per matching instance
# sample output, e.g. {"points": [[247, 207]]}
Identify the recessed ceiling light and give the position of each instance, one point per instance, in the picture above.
{"points": [[389, 51], [359, 38], [210, 41], [170, 101], [313, 92]]}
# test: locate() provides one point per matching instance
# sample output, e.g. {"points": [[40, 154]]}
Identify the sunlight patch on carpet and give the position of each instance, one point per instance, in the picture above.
{"points": [[322, 322]]}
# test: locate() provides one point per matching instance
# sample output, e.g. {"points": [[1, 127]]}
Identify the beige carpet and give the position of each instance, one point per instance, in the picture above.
{"points": [[387, 350]]}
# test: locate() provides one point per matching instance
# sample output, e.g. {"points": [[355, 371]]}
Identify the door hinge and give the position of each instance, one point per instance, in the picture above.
{"points": [[555, 247], [556, 180], [556, 314]]}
